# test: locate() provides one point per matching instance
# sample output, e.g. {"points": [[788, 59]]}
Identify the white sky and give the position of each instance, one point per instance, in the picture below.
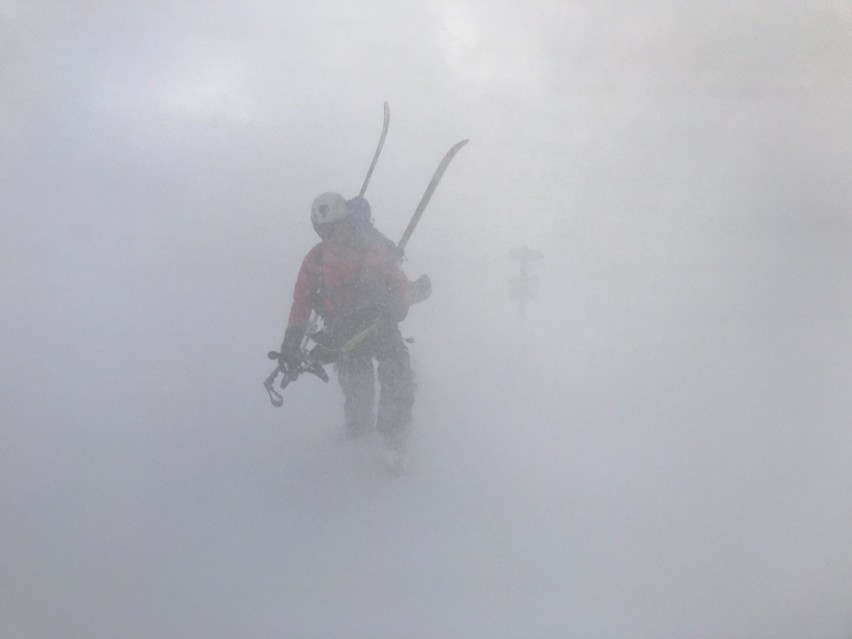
{"points": [[662, 450]]}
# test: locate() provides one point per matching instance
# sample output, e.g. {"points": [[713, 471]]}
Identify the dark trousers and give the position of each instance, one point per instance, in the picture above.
{"points": [[396, 386]]}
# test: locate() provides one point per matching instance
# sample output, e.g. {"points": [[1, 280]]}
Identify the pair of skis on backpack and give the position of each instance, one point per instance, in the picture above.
{"points": [[329, 347]]}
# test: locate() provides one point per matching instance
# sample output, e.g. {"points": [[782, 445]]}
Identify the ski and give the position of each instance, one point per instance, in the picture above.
{"points": [[433, 184], [385, 125]]}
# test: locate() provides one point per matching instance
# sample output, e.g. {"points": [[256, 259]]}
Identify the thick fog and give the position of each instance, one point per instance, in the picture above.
{"points": [[662, 449]]}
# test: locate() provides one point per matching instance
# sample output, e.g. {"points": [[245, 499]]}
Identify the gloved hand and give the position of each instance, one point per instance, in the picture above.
{"points": [[420, 289], [290, 356]]}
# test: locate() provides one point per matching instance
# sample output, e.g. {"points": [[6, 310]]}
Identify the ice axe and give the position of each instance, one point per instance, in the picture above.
{"points": [[291, 375]]}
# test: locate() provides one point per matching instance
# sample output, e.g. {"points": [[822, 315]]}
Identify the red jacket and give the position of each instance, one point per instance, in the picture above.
{"points": [[336, 280]]}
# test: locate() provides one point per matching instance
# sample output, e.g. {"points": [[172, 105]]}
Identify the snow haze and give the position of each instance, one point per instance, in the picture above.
{"points": [[661, 450]]}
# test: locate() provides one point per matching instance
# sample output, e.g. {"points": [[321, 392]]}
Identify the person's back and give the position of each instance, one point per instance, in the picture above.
{"points": [[339, 278]]}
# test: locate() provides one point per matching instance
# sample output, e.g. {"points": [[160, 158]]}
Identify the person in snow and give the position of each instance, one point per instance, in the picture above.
{"points": [[353, 280]]}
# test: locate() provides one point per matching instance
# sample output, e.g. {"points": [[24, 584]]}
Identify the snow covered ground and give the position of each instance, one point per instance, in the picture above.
{"points": [[662, 449]]}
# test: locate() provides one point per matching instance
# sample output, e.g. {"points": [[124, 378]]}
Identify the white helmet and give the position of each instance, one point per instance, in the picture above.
{"points": [[328, 208]]}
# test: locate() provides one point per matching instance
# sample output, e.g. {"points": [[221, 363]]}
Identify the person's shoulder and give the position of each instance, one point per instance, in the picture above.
{"points": [[315, 254]]}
